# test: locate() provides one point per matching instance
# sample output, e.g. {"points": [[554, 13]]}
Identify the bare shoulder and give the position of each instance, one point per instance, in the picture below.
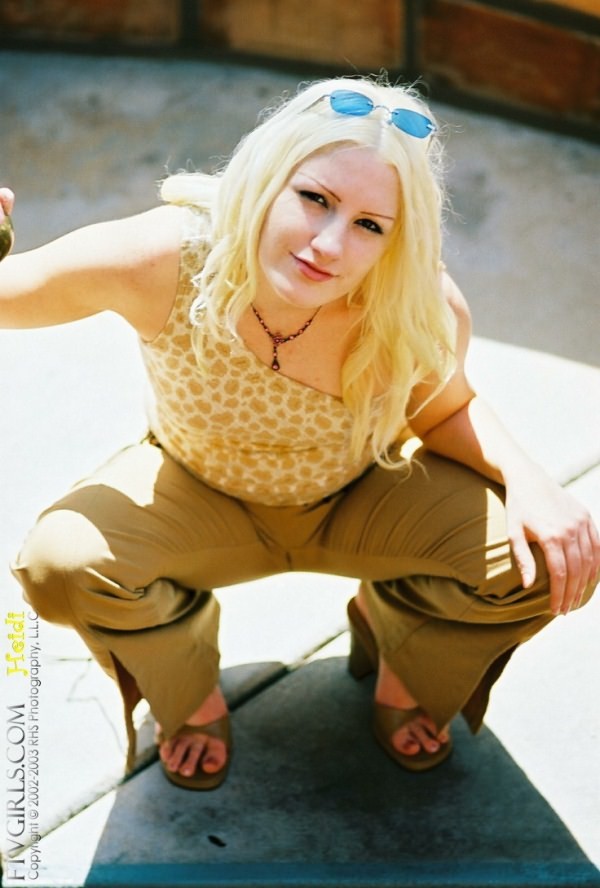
{"points": [[130, 265], [134, 240], [460, 308], [454, 297], [163, 223], [457, 391], [149, 251]]}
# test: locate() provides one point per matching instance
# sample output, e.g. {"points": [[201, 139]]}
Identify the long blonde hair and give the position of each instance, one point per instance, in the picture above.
{"points": [[407, 331]]}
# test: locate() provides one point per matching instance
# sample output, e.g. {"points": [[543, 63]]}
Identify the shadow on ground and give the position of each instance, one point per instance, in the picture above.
{"points": [[311, 801]]}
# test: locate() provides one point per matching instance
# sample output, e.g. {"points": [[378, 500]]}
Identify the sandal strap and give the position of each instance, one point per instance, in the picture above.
{"points": [[389, 719]]}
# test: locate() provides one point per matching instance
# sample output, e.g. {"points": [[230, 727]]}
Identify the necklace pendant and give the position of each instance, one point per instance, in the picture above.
{"points": [[277, 339], [275, 361]]}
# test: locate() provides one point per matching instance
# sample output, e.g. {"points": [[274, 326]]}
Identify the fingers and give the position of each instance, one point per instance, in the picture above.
{"points": [[7, 237], [573, 563], [570, 543], [590, 558], [7, 202], [524, 557], [557, 564]]}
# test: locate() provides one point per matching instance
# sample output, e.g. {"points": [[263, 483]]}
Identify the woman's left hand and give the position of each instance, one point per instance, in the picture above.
{"points": [[540, 511], [458, 423]]}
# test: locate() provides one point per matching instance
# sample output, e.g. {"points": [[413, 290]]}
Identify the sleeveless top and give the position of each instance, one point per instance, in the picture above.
{"points": [[236, 424]]}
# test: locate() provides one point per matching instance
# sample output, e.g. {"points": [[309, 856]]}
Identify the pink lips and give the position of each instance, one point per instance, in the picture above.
{"points": [[312, 272]]}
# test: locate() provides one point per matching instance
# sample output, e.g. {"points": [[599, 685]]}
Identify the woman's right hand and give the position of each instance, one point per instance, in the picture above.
{"points": [[7, 200]]}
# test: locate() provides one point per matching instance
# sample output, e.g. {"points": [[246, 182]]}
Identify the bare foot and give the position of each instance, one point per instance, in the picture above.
{"points": [[183, 754], [419, 734]]}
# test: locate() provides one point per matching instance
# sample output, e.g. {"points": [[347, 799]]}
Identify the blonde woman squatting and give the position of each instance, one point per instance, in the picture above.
{"points": [[297, 325]]}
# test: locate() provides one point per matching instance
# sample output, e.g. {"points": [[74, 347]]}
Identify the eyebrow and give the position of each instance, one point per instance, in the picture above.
{"points": [[363, 212], [380, 215]]}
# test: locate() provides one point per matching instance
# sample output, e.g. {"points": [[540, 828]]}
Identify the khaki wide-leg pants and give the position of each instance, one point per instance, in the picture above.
{"points": [[129, 558]]}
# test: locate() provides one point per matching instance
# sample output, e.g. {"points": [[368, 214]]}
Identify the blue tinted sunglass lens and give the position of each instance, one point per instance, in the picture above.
{"points": [[355, 104], [412, 123], [345, 101]]}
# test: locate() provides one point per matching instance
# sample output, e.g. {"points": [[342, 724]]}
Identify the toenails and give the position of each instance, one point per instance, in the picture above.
{"points": [[395, 729], [197, 757]]}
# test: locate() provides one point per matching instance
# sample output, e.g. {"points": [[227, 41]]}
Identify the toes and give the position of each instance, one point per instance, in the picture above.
{"points": [[182, 755], [419, 734], [425, 738], [215, 756], [412, 742], [406, 744], [166, 750], [186, 754], [189, 764]]}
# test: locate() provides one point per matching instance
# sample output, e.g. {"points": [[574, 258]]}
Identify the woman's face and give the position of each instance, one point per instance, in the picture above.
{"points": [[326, 229]]}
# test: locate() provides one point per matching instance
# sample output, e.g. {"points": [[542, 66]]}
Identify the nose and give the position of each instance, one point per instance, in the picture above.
{"points": [[328, 241]]}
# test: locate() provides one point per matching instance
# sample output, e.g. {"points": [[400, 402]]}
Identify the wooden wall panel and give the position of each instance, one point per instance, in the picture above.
{"points": [[366, 34]]}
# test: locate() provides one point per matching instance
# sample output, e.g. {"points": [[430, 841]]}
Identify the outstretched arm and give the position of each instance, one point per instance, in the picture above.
{"points": [[458, 424], [129, 266]]}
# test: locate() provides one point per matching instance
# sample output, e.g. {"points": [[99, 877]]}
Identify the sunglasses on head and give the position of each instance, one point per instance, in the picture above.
{"points": [[356, 104]]}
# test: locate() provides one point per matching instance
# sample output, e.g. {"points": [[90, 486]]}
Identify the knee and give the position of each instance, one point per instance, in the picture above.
{"points": [[49, 567]]}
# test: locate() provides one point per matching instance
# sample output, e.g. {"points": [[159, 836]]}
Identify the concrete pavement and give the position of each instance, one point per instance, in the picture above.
{"points": [[310, 799]]}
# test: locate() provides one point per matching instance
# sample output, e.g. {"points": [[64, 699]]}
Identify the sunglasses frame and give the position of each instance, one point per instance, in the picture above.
{"points": [[398, 117]]}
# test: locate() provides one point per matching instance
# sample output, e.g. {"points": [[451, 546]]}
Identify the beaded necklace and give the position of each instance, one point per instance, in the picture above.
{"points": [[277, 339]]}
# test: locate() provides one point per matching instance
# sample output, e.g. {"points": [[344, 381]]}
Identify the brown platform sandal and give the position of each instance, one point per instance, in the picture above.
{"points": [[201, 780], [364, 659]]}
